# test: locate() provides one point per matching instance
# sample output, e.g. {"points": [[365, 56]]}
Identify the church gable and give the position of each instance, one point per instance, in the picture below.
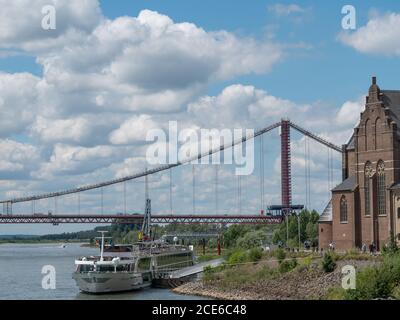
{"points": [[379, 118]]}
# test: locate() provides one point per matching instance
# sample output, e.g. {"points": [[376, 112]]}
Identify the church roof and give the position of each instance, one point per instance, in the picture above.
{"points": [[350, 145], [347, 185], [326, 215]]}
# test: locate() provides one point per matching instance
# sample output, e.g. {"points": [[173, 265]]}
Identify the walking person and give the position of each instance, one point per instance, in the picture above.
{"points": [[364, 248]]}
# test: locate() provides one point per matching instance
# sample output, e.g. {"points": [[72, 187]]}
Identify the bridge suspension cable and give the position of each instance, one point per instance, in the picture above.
{"points": [[170, 192], [216, 189], [262, 174], [315, 137], [307, 171], [239, 194], [143, 173], [124, 197], [330, 171], [102, 200], [194, 189], [78, 196], [8, 203]]}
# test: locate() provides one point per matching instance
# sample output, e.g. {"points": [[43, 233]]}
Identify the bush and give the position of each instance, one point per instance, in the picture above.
{"points": [[265, 272], [208, 274], [379, 281], [391, 247], [255, 254], [251, 239], [336, 294], [328, 262], [237, 256], [396, 292], [280, 254], [287, 265], [366, 285]]}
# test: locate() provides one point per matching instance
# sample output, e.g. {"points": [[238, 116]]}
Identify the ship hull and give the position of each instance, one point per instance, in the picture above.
{"points": [[109, 282]]}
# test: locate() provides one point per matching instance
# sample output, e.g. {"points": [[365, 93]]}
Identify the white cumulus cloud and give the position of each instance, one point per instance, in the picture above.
{"points": [[379, 36]]}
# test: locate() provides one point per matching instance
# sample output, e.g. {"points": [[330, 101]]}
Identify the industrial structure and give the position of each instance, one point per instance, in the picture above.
{"points": [[267, 215]]}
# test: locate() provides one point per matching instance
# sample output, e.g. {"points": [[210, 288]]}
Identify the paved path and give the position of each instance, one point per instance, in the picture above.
{"points": [[197, 268]]}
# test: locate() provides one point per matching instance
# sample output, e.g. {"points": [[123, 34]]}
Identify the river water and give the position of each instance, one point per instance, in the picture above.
{"points": [[21, 274]]}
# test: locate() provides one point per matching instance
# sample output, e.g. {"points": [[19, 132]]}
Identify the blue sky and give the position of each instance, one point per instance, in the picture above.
{"points": [[323, 67], [76, 101]]}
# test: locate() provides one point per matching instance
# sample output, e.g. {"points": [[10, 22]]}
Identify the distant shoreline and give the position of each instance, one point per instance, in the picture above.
{"points": [[33, 241]]}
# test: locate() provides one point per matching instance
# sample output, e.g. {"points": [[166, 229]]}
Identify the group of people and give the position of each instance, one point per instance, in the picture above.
{"points": [[331, 247], [371, 248]]}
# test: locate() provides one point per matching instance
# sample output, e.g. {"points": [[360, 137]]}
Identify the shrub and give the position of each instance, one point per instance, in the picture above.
{"points": [[265, 272], [396, 292], [208, 274], [287, 265], [237, 256], [378, 281], [306, 261], [366, 285], [251, 239], [391, 247], [336, 294], [255, 254], [328, 262], [280, 254]]}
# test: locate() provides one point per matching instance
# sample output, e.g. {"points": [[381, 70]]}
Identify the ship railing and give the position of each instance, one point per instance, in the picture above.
{"points": [[186, 263]]}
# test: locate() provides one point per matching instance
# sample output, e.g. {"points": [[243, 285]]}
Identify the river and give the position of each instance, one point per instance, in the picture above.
{"points": [[21, 274]]}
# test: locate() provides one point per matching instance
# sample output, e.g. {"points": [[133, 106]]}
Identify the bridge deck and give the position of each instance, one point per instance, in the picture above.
{"points": [[138, 219]]}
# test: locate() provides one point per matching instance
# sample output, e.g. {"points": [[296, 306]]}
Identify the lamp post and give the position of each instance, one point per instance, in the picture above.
{"points": [[298, 226]]}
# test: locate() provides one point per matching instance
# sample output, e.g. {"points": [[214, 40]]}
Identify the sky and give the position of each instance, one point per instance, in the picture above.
{"points": [[77, 102]]}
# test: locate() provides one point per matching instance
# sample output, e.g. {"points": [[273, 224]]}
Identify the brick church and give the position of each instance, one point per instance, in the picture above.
{"points": [[365, 207]]}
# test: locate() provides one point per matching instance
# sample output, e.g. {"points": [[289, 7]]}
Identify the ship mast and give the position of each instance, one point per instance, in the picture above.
{"points": [[102, 244], [147, 214]]}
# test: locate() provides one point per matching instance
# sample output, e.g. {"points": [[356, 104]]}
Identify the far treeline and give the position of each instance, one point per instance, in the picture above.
{"points": [[241, 236]]}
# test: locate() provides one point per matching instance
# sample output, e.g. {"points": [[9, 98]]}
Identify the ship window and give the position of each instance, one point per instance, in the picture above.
{"points": [[381, 189], [123, 267], [343, 209], [105, 268], [86, 268]]}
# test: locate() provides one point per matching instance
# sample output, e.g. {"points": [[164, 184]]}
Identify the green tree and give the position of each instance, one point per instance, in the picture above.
{"points": [[308, 229]]}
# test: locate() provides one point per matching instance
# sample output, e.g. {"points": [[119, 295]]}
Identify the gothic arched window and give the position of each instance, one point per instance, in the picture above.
{"points": [[343, 209], [366, 131], [367, 198], [381, 188], [376, 134]]}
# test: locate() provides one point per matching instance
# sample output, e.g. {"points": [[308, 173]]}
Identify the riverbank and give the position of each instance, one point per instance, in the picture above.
{"points": [[303, 283], [22, 241]]}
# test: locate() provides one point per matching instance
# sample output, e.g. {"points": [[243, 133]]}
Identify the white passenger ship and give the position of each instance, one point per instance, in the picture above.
{"points": [[130, 267]]}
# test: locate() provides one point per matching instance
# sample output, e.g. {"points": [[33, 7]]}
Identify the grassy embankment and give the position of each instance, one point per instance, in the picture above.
{"points": [[307, 276]]}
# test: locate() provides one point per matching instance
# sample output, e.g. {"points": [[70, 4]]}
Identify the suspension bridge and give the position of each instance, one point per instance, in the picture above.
{"points": [[272, 214]]}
